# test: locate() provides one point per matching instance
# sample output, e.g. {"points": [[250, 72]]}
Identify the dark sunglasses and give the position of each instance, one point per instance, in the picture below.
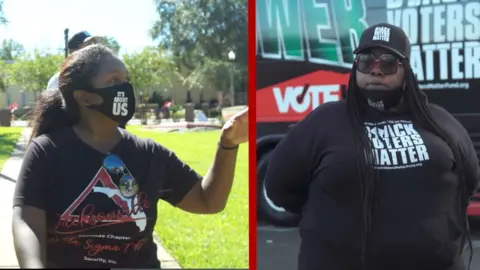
{"points": [[388, 63]]}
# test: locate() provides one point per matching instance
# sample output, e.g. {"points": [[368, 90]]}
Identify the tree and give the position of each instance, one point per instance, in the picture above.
{"points": [[32, 72], [5, 78], [3, 19], [200, 33], [111, 42], [149, 68], [11, 49]]}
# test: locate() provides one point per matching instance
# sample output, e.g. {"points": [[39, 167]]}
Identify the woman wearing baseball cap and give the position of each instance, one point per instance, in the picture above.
{"points": [[382, 179], [75, 43]]}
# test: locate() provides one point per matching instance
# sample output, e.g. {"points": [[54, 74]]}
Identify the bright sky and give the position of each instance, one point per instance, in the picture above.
{"points": [[40, 23]]}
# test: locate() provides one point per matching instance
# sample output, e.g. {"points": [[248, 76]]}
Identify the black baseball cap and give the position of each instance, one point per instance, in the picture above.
{"points": [[386, 36], [77, 40]]}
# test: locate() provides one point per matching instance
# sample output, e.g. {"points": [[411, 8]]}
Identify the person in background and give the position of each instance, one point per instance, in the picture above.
{"points": [[75, 43], [381, 179], [87, 192]]}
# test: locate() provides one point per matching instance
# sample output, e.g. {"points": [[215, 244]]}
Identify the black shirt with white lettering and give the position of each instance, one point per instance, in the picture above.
{"points": [[101, 208], [416, 223]]}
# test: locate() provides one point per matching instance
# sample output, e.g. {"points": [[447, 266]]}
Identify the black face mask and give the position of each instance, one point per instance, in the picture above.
{"points": [[118, 102], [382, 100]]}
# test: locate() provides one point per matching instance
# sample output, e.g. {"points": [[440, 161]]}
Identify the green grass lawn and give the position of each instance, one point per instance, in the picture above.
{"points": [[204, 241], [8, 139]]}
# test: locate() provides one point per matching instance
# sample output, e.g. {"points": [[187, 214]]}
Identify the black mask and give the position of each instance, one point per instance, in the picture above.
{"points": [[382, 100], [118, 102]]}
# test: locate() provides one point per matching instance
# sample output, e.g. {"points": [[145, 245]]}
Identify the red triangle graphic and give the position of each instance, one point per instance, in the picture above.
{"points": [[103, 177]]}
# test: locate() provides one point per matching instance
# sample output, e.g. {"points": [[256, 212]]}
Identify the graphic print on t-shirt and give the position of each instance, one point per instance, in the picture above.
{"points": [[396, 145], [76, 224]]}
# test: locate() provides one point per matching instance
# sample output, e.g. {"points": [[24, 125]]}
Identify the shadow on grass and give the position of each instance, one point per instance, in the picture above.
{"points": [[8, 140], [8, 143]]}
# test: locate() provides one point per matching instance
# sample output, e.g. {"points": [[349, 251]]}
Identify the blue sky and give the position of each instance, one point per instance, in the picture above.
{"points": [[40, 23]]}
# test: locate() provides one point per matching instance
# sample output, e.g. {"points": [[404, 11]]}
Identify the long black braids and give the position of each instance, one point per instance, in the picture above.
{"points": [[365, 156], [416, 101], [421, 112]]}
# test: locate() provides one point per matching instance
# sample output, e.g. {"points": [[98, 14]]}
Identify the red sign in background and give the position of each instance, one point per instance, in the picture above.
{"points": [[268, 110]]}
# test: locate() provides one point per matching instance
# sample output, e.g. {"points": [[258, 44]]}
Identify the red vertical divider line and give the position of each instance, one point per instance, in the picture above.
{"points": [[252, 174]]}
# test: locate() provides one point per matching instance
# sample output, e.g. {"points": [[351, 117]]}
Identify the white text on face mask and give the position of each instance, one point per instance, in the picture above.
{"points": [[120, 99]]}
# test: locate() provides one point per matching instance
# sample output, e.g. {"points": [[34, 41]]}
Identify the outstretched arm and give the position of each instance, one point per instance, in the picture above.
{"points": [[209, 194]]}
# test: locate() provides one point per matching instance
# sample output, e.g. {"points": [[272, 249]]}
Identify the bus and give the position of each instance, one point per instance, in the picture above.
{"points": [[304, 48]]}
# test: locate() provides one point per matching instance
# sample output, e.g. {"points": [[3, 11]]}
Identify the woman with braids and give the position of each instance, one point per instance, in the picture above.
{"points": [[87, 193], [381, 179]]}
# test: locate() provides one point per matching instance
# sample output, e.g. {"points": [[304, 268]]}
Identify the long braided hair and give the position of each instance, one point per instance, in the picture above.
{"points": [[415, 99]]}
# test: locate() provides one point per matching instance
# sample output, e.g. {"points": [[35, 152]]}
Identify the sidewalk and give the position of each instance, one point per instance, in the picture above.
{"points": [[11, 169]]}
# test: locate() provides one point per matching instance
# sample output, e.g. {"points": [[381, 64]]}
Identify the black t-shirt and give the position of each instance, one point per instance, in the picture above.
{"points": [[101, 208], [416, 222]]}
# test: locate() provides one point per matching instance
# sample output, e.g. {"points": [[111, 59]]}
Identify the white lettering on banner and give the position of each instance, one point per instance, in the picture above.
{"points": [[396, 145], [462, 67], [315, 96], [449, 31], [416, 3], [120, 104]]}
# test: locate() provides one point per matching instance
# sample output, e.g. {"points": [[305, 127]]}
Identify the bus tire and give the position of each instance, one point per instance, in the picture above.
{"points": [[266, 208]]}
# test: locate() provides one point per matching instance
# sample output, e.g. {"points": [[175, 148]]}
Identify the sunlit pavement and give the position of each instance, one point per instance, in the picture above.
{"points": [[19, 123], [8, 175], [277, 248]]}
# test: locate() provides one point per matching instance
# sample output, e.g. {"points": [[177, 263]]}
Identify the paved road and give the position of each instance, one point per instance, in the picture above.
{"points": [[277, 248]]}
